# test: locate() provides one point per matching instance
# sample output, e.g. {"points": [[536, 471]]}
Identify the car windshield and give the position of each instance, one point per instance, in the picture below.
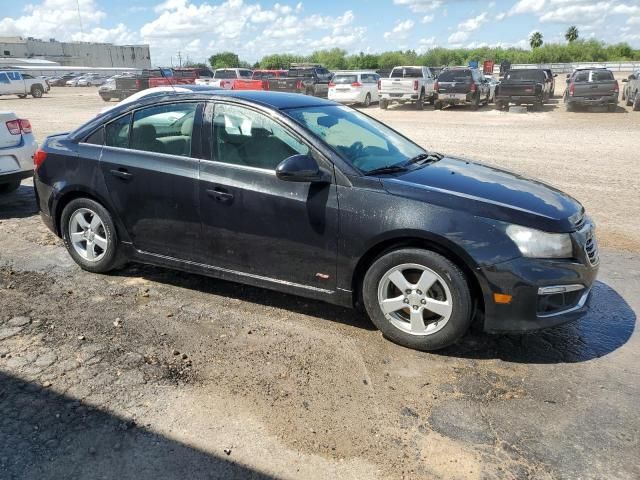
{"points": [[363, 142], [530, 75], [345, 79], [245, 73], [455, 76], [406, 73]]}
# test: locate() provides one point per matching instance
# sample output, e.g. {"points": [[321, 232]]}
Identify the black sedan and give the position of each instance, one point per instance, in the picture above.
{"points": [[303, 195]]}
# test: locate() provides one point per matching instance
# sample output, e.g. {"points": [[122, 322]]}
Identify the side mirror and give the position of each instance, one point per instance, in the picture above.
{"points": [[302, 168]]}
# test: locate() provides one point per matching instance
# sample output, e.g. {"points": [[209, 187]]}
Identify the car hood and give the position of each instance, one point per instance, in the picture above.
{"points": [[488, 192]]}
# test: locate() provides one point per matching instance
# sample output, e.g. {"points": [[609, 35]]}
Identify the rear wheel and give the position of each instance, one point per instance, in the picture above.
{"points": [[90, 236], [420, 102], [438, 105], [418, 299], [476, 103], [367, 100], [636, 102], [383, 103], [9, 187]]}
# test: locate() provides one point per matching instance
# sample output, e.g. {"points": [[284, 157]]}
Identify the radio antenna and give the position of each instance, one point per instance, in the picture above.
{"points": [[168, 80]]}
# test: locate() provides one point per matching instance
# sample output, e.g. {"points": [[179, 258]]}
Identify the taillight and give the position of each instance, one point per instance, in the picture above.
{"points": [[38, 158], [356, 84], [473, 88], [572, 89], [25, 125], [14, 127], [436, 87], [616, 88], [331, 84], [415, 85]]}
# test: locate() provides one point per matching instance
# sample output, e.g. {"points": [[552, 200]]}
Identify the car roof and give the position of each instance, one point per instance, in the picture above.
{"points": [[270, 100], [353, 72]]}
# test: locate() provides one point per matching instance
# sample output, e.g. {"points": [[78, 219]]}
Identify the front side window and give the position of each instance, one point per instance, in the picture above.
{"points": [[117, 132], [245, 137], [360, 140], [164, 129]]}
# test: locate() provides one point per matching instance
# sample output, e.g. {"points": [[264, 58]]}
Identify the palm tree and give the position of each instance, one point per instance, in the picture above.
{"points": [[572, 34], [535, 40]]}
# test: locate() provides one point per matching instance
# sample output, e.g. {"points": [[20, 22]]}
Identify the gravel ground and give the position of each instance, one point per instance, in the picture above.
{"points": [[159, 374]]}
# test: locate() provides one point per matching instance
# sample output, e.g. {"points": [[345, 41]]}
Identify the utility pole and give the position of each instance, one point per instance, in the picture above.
{"points": [[79, 17], [180, 58]]}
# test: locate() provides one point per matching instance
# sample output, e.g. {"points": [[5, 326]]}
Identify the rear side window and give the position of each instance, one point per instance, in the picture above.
{"points": [[117, 132], [164, 129], [455, 76], [96, 138], [601, 75], [406, 73]]}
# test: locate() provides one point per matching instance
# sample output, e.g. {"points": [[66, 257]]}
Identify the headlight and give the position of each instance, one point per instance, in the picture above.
{"points": [[537, 244]]}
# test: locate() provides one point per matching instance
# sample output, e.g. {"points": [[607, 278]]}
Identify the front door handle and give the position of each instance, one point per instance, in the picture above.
{"points": [[122, 173], [220, 195]]}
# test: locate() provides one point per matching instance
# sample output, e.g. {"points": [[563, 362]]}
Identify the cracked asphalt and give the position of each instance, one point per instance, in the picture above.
{"points": [[156, 374]]}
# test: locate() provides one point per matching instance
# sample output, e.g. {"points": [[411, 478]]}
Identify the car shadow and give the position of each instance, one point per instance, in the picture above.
{"points": [[247, 293], [18, 204], [46, 435], [607, 327]]}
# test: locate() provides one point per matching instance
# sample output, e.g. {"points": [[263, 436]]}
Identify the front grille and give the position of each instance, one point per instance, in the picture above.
{"points": [[591, 249]]}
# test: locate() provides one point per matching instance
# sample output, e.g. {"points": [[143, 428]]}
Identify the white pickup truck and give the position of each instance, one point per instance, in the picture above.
{"points": [[409, 84], [225, 77], [13, 82]]}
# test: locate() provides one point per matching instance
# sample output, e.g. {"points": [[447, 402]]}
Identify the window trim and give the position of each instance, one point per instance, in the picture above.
{"points": [[208, 124]]}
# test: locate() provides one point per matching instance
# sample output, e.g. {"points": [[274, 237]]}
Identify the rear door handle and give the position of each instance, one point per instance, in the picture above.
{"points": [[122, 173], [220, 195]]}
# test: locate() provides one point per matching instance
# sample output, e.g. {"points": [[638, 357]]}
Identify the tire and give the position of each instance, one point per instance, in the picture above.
{"points": [[22, 96], [9, 187], [636, 103], [106, 259], [476, 103], [438, 105], [501, 105], [367, 101], [383, 103], [628, 102], [432, 100], [448, 291], [420, 102], [37, 91]]}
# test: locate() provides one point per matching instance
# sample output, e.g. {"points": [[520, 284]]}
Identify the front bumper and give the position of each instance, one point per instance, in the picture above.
{"points": [[532, 283]]}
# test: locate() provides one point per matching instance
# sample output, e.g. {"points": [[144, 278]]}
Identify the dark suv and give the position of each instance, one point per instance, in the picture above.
{"points": [[306, 196], [461, 86]]}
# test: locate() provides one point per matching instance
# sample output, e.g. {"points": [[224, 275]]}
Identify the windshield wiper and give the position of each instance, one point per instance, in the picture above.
{"points": [[424, 158], [387, 169]]}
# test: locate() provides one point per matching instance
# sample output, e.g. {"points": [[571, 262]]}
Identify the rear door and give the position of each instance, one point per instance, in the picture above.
{"points": [[254, 223], [150, 166]]}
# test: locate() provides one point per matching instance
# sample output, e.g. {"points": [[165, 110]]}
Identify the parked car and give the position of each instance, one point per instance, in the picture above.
{"points": [[527, 86], [17, 147], [127, 85], [259, 80], [13, 82], [301, 195], [592, 87], [493, 83], [461, 86], [91, 80], [631, 91], [225, 77], [308, 79], [407, 84], [354, 87], [62, 81], [551, 80]]}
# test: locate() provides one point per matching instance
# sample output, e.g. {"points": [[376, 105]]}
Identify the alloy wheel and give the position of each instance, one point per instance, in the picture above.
{"points": [[415, 299], [88, 235]]}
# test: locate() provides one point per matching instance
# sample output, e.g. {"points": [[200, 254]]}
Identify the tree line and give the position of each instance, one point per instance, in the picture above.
{"points": [[338, 59]]}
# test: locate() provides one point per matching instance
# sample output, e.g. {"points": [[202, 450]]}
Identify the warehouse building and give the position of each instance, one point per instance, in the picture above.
{"points": [[88, 54]]}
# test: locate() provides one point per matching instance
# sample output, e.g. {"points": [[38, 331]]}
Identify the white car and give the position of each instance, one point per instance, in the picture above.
{"points": [[225, 77], [89, 80], [354, 87], [17, 147]]}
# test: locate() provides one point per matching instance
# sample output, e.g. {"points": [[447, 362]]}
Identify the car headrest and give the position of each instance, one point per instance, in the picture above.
{"points": [[143, 134], [187, 126]]}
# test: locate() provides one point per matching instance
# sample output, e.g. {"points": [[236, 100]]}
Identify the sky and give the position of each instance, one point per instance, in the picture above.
{"points": [[253, 28]]}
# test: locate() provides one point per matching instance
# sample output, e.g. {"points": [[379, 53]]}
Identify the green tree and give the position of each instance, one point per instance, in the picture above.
{"points": [[536, 40], [572, 34], [224, 60], [334, 59]]}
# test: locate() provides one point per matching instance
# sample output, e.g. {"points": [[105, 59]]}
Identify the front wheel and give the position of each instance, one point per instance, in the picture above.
{"points": [[418, 299], [37, 91], [90, 236]]}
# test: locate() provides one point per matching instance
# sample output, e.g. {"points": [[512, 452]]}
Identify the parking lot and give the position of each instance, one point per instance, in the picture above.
{"points": [[167, 374]]}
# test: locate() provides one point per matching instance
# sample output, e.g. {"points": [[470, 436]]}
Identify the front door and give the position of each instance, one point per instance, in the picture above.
{"points": [[152, 177], [254, 223]]}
